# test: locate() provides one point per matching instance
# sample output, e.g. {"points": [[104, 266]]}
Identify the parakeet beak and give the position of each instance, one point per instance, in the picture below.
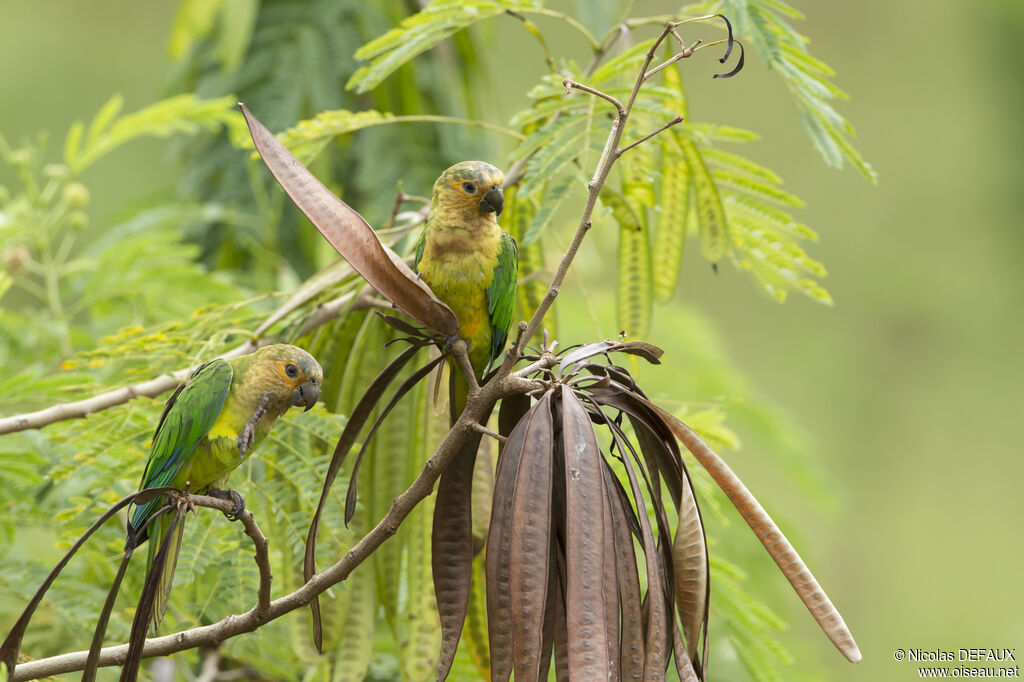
{"points": [[493, 201], [305, 395]]}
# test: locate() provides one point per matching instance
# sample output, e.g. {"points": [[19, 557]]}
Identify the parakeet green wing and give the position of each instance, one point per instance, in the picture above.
{"points": [[501, 295], [187, 418]]}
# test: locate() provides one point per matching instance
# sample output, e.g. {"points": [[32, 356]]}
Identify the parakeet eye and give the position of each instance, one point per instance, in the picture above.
{"points": [[291, 370], [469, 188]]}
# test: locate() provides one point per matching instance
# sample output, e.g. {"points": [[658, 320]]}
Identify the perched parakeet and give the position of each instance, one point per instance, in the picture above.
{"points": [[469, 262], [211, 424]]}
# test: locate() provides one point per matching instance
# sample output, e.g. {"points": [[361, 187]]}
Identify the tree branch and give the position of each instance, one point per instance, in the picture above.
{"points": [[154, 387], [259, 541], [480, 428], [571, 84], [609, 156], [234, 625], [515, 173], [504, 382], [677, 119]]}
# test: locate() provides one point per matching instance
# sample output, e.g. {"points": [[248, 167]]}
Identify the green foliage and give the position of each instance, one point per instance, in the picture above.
{"points": [[296, 58], [183, 114], [767, 23], [751, 626], [738, 210], [438, 20], [58, 290], [308, 138], [69, 329]]}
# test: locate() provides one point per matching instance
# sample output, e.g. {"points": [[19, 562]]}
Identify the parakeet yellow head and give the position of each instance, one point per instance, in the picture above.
{"points": [[468, 193], [289, 374]]}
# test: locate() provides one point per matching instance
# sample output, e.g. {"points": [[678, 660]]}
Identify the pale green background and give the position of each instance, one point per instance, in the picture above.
{"points": [[910, 388]]}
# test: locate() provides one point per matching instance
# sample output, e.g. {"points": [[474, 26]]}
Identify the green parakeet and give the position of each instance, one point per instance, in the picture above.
{"points": [[470, 263], [211, 424]]}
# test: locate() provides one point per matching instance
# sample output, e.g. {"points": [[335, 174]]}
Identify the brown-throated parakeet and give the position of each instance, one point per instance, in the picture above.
{"points": [[211, 424], [470, 263]]}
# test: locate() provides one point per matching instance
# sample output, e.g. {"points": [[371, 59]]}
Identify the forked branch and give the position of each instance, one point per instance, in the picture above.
{"points": [[506, 381]]}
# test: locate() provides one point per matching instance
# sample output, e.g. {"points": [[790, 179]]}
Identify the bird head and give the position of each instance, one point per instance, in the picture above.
{"points": [[291, 375], [469, 191]]}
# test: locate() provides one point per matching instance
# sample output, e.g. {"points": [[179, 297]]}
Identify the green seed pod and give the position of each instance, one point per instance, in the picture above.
{"points": [[76, 195]]}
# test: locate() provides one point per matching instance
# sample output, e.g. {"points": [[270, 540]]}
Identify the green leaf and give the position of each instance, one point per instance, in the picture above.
{"points": [[355, 645], [555, 195], [675, 197], [543, 109], [181, 114], [626, 63], [711, 220], [419, 633], [739, 164], [766, 22], [768, 216], [673, 213], [750, 625], [705, 133], [306, 139], [420, 32], [104, 117], [193, 21], [633, 287], [238, 20], [777, 264], [760, 189], [554, 130], [551, 160], [474, 634]]}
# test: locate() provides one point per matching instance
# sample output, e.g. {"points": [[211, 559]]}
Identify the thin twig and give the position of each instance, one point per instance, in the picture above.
{"points": [[570, 84], [515, 172], [480, 428], [677, 119], [604, 166], [324, 313], [683, 54], [154, 387], [399, 198], [504, 382], [259, 541], [234, 625], [532, 28]]}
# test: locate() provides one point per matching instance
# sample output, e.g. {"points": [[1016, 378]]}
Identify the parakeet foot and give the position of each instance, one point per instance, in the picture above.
{"points": [[184, 499], [450, 342], [248, 435], [236, 499]]}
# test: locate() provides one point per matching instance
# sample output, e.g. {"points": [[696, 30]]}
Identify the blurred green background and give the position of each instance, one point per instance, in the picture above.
{"points": [[909, 390]]}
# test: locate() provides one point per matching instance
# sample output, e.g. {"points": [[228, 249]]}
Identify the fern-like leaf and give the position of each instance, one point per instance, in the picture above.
{"points": [[420, 32], [785, 50], [181, 114]]}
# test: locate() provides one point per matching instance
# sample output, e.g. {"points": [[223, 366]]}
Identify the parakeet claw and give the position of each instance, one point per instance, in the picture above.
{"points": [[450, 341], [248, 435], [184, 500], [236, 499]]}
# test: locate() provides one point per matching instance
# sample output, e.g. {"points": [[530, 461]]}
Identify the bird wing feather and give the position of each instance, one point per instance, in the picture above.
{"points": [[501, 295], [187, 418]]}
